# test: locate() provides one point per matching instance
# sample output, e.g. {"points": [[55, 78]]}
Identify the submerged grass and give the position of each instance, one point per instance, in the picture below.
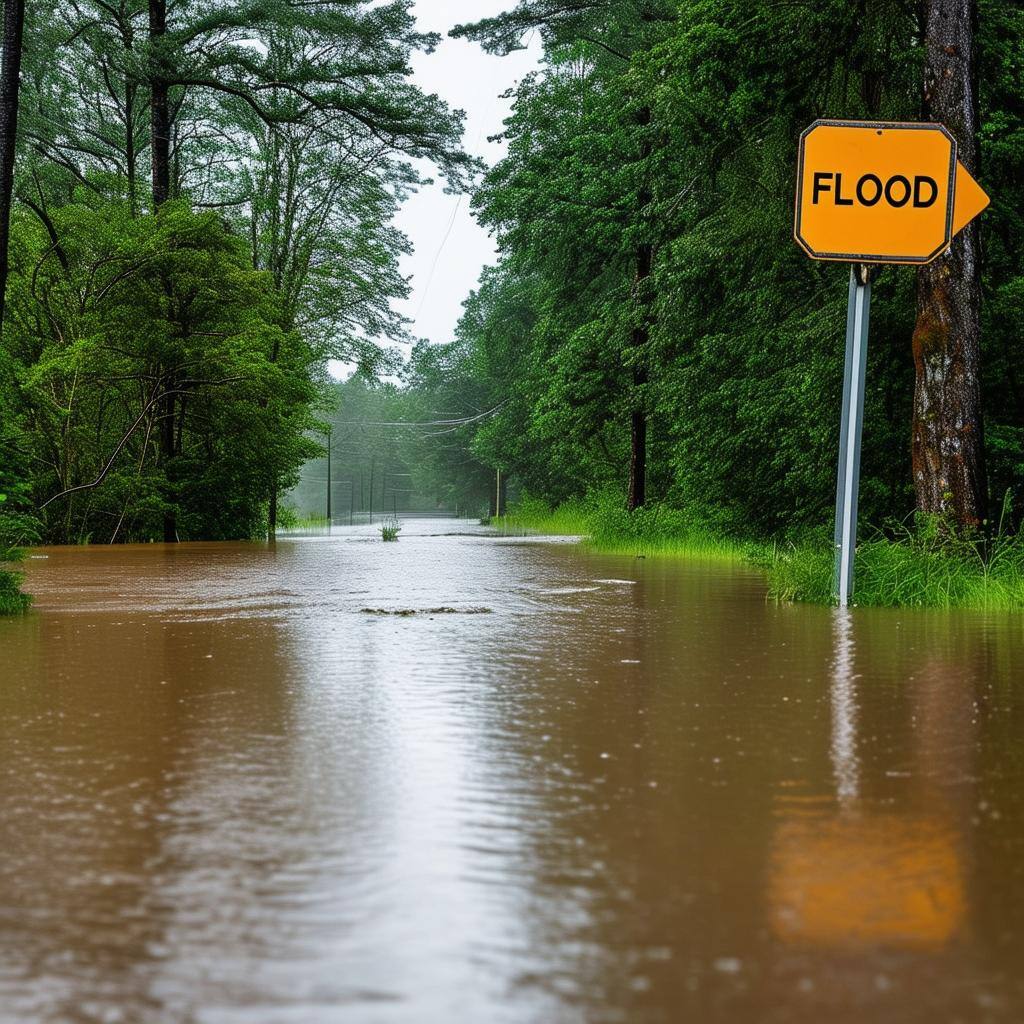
{"points": [[390, 529], [289, 519], [925, 567]]}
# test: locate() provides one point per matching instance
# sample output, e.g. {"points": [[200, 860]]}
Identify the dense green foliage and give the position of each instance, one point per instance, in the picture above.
{"points": [[204, 196], [644, 213], [153, 326]]}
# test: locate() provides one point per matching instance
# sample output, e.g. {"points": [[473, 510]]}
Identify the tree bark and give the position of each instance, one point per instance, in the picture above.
{"points": [[160, 109], [948, 442], [10, 82]]}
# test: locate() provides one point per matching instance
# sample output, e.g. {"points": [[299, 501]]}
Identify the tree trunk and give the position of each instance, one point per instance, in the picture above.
{"points": [[166, 455], [131, 169], [10, 80], [948, 444], [160, 110], [637, 452]]}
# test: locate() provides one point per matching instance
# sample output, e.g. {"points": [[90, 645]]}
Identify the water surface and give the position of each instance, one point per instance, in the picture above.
{"points": [[232, 790]]}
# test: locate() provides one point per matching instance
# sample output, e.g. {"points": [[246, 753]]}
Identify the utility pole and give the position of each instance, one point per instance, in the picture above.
{"points": [[328, 476], [373, 462]]}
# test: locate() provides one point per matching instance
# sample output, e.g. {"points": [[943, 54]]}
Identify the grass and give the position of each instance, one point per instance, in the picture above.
{"points": [[924, 567], [289, 519], [910, 571], [604, 525], [390, 529], [573, 519]]}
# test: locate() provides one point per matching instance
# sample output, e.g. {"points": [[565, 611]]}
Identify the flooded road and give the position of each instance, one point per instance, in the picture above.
{"points": [[235, 788]]}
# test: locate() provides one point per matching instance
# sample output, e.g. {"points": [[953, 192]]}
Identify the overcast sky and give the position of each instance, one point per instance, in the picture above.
{"points": [[461, 73]]}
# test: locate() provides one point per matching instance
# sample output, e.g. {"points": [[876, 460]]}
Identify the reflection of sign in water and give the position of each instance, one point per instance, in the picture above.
{"points": [[854, 881], [850, 878]]}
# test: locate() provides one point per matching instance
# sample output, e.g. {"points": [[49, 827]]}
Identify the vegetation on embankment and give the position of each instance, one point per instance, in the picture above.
{"points": [[12, 600], [925, 568], [915, 569], [14, 529], [649, 325], [606, 526]]}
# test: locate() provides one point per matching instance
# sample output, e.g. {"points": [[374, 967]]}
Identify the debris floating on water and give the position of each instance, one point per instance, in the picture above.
{"points": [[406, 612]]}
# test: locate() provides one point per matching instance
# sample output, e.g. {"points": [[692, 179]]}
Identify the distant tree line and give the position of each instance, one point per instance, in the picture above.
{"points": [[400, 444], [196, 199], [652, 328]]}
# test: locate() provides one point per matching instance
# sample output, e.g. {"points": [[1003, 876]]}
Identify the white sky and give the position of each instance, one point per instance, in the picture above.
{"points": [[473, 81]]}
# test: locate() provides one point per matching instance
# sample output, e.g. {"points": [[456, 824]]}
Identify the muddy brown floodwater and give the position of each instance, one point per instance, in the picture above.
{"points": [[232, 790]]}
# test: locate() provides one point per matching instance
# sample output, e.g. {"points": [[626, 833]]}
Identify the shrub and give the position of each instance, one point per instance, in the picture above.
{"points": [[15, 529]]}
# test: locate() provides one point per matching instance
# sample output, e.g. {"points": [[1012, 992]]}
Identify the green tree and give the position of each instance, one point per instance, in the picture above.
{"points": [[615, 125], [141, 349]]}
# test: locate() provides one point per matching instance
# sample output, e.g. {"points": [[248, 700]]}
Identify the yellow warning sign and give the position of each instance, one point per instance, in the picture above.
{"points": [[881, 192]]}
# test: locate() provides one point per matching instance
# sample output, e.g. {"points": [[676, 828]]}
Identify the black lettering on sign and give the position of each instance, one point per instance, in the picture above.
{"points": [[869, 189], [876, 183], [820, 177], [901, 183], [919, 201]]}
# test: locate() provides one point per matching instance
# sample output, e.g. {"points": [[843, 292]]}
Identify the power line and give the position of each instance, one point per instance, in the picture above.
{"points": [[424, 423], [437, 258]]}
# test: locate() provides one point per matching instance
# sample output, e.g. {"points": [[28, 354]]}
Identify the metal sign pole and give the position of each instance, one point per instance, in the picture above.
{"points": [[848, 483]]}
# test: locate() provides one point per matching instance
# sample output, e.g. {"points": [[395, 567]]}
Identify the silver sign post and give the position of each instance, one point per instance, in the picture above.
{"points": [[848, 484]]}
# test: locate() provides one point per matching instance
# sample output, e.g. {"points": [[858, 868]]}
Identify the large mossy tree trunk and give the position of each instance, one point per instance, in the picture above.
{"points": [[10, 83], [948, 443]]}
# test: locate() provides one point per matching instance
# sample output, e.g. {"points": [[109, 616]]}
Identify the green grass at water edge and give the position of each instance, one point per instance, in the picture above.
{"points": [[914, 570], [570, 520], [605, 526], [306, 523], [12, 600], [905, 574]]}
